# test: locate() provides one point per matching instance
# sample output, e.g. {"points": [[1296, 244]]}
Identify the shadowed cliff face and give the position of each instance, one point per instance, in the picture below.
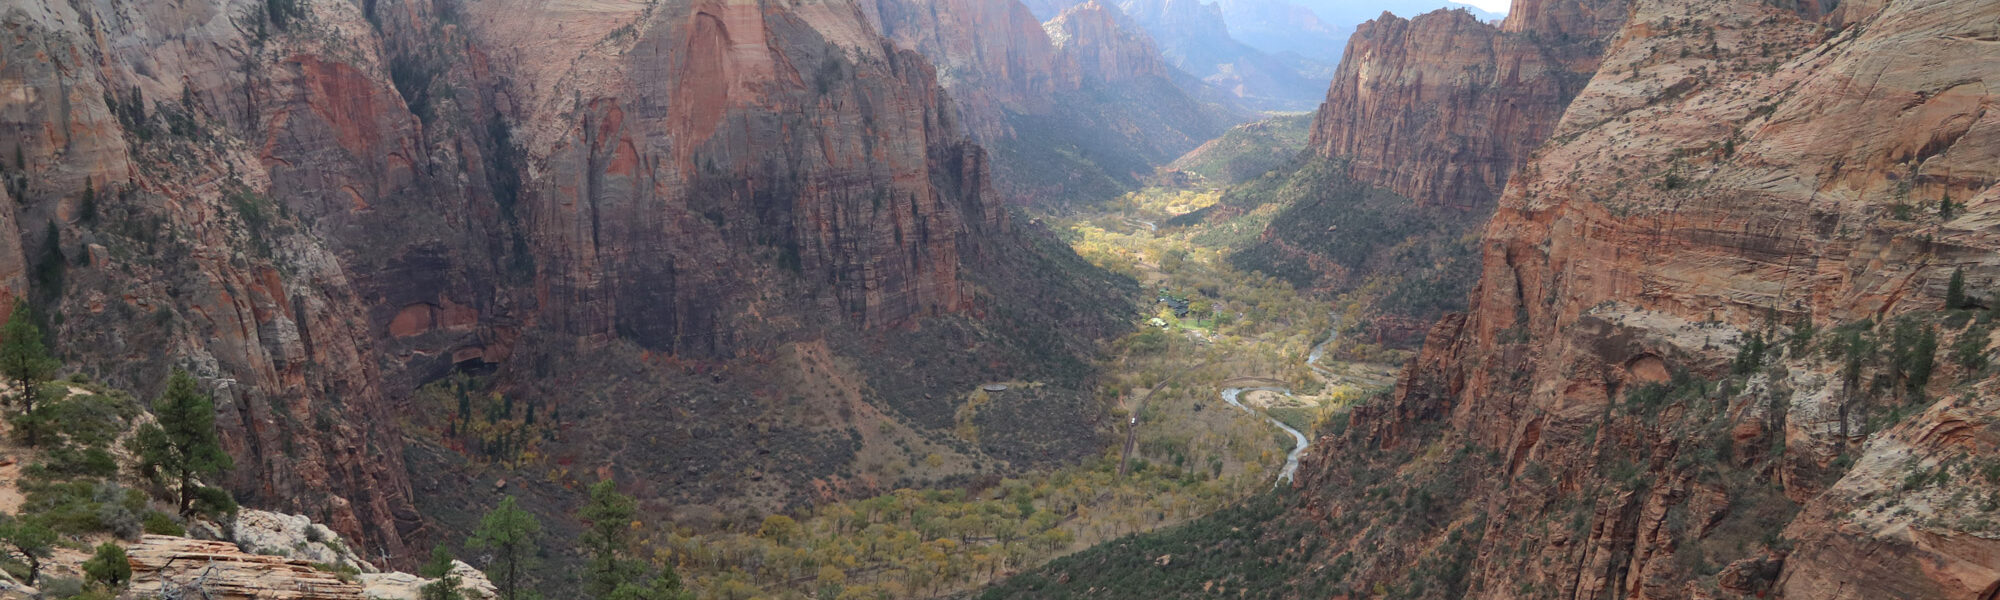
{"points": [[1077, 109], [1751, 172], [1442, 108], [1426, 120], [320, 209]]}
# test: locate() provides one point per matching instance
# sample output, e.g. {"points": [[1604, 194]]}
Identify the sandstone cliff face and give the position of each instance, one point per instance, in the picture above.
{"points": [[149, 137], [1194, 37], [1747, 171], [1442, 108], [992, 55], [318, 210], [1098, 44], [1088, 83], [696, 151]]}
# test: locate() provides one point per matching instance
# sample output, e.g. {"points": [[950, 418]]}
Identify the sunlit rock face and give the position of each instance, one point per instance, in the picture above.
{"points": [[1733, 168], [1443, 107]]}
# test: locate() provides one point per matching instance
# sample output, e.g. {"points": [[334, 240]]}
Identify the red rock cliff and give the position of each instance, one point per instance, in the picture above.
{"points": [[318, 211], [1097, 43], [1442, 108], [1087, 82], [1736, 172]]}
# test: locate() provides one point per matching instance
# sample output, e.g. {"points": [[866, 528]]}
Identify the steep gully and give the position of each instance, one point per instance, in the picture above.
{"points": [[1232, 395]]}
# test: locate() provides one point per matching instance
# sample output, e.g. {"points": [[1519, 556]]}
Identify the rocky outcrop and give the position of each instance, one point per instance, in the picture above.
{"points": [[163, 565], [1737, 173], [294, 536], [1442, 108], [404, 586]]}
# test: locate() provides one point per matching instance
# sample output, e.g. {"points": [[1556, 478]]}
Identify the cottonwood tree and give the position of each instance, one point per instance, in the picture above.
{"points": [[182, 445]]}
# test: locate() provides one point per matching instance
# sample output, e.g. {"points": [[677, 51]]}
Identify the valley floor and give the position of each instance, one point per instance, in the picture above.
{"points": [[1215, 335]]}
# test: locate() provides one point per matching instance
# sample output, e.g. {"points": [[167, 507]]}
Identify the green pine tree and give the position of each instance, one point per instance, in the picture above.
{"points": [[182, 445], [23, 359], [110, 567], [447, 582], [86, 209], [514, 537], [1954, 292], [609, 540], [30, 540]]}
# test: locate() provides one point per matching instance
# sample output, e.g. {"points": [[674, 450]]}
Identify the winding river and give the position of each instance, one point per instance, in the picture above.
{"points": [[1234, 397]]}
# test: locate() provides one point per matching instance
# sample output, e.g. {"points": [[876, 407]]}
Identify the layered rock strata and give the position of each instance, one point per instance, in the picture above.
{"points": [[1737, 174]]}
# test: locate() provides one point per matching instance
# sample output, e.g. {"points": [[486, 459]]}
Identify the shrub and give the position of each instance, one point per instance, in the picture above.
{"points": [[1970, 349], [62, 587], [121, 521], [159, 523], [109, 567], [347, 573], [79, 507], [213, 501]]}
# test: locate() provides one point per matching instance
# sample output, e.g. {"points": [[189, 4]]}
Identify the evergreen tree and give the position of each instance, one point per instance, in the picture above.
{"points": [[1970, 350], [23, 359], [1922, 359], [30, 540], [447, 582], [182, 445], [513, 536], [1954, 293], [609, 540], [87, 207], [109, 567]]}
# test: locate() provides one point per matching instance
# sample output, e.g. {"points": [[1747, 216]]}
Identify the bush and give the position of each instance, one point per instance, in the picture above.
{"points": [[70, 461], [214, 501], [121, 521], [109, 567], [1970, 349], [159, 523], [347, 573], [62, 587]]}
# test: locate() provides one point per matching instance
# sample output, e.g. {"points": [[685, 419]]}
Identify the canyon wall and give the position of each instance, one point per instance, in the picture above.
{"points": [[1077, 109], [318, 207], [1695, 365], [1442, 108]]}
